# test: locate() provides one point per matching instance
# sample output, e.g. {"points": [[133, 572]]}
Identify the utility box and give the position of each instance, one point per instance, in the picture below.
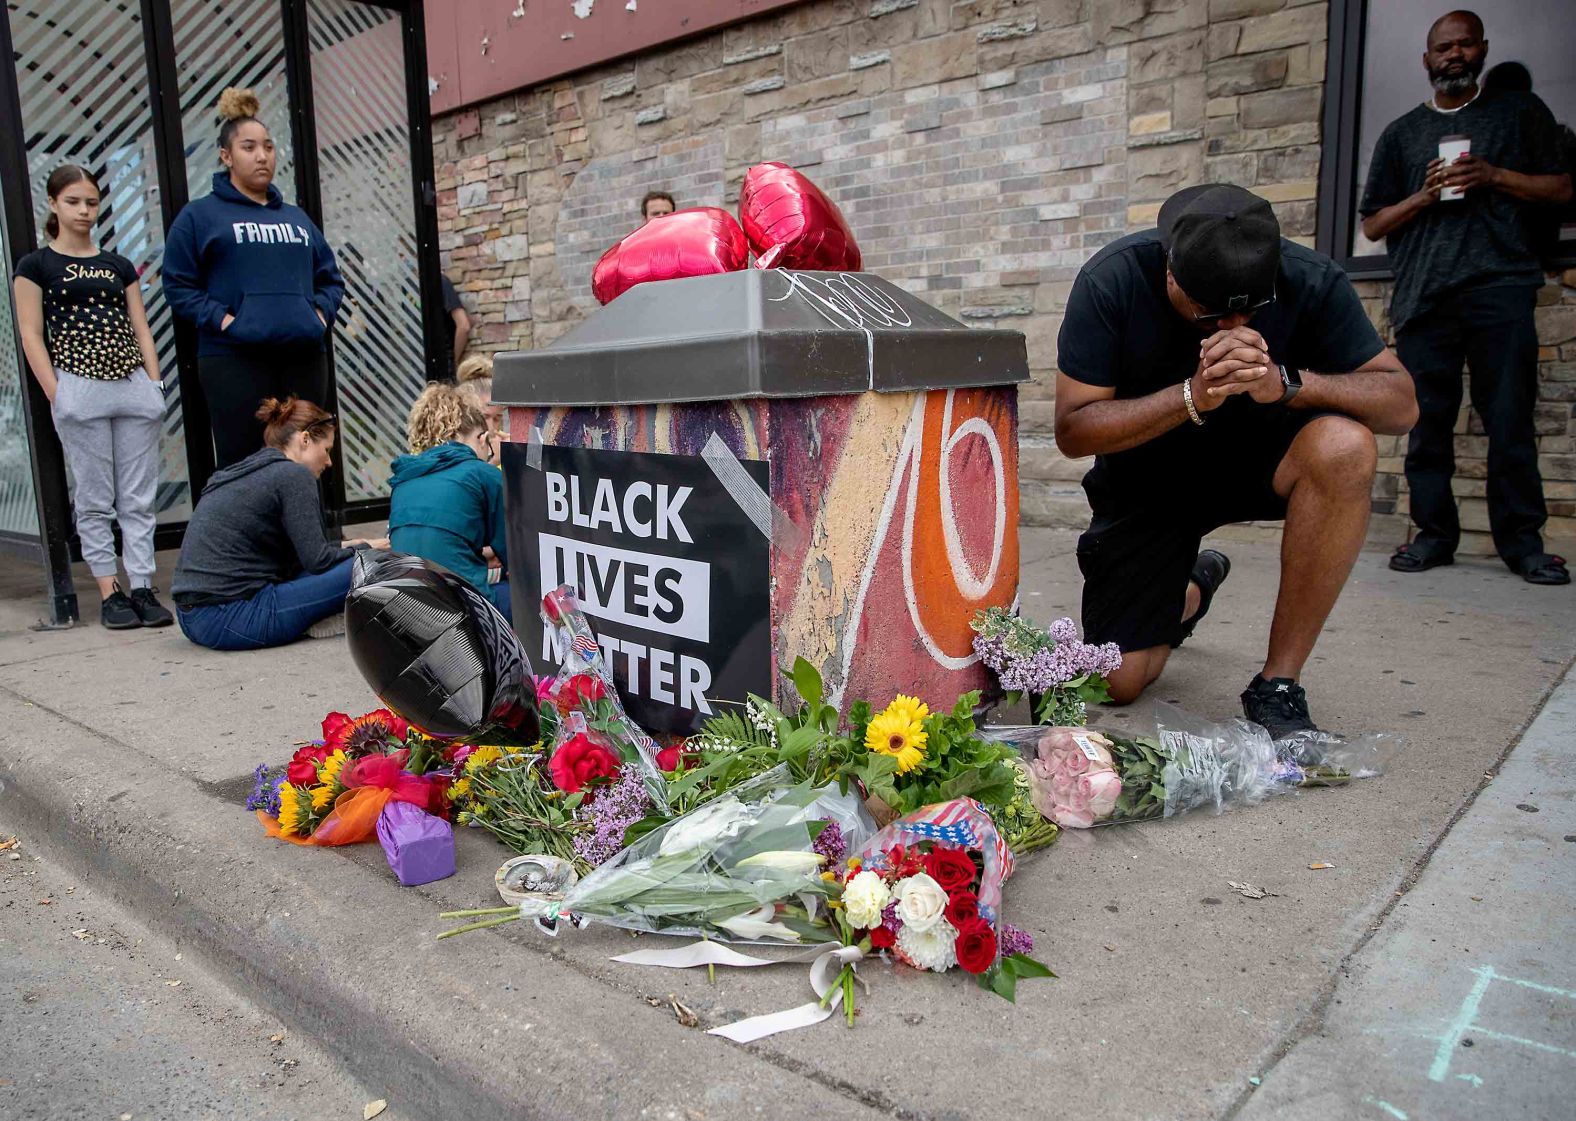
{"points": [[739, 469]]}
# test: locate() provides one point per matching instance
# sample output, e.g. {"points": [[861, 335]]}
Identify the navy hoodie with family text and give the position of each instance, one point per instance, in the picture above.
{"points": [[268, 265]]}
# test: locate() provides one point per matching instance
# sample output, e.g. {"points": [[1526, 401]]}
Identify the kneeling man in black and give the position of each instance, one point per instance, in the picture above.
{"points": [[1219, 373]]}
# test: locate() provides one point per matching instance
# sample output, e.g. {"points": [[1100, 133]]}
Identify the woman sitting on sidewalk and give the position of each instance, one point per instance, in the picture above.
{"points": [[446, 499], [256, 569]]}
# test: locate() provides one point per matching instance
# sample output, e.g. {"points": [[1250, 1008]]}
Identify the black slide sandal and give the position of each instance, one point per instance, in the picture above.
{"points": [[1410, 558]]}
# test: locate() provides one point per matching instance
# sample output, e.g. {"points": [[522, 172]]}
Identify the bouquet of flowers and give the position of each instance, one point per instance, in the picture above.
{"points": [[1081, 777], [902, 758], [928, 887], [333, 789], [593, 738], [1061, 674], [746, 866]]}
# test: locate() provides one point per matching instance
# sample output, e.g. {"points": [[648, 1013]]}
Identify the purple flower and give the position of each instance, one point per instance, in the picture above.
{"points": [[611, 812], [890, 920], [992, 650], [1015, 940], [265, 792], [1064, 631], [830, 844]]}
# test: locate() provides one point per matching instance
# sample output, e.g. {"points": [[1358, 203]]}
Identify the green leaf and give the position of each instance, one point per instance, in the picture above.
{"points": [[807, 681], [1003, 982], [1024, 966]]}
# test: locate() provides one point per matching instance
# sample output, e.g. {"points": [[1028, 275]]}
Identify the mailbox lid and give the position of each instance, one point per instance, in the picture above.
{"points": [[759, 333]]}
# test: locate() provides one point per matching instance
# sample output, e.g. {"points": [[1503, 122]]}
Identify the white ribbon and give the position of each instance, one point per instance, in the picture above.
{"points": [[826, 966]]}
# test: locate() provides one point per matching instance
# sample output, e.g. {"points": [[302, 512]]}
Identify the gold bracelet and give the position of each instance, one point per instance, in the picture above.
{"points": [[1187, 399]]}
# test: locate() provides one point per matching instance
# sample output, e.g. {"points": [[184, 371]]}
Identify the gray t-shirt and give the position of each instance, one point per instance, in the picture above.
{"points": [[1487, 238]]}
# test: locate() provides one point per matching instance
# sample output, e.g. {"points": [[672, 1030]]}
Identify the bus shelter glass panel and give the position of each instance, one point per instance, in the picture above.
{"points": [[363, 141], [18, 507]]}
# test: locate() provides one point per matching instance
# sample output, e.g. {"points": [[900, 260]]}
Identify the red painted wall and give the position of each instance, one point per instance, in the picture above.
{"points": [[480, 49]]}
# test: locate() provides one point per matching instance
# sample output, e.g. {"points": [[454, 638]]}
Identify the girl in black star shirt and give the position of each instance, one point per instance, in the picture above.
{"points": [[79, 311]]}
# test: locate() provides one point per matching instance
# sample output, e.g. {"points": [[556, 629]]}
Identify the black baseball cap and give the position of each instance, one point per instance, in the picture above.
{"points": [[1223, 245]]}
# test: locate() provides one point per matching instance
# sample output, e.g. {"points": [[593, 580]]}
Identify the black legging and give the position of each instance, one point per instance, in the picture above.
{"points": [[235, 384]]}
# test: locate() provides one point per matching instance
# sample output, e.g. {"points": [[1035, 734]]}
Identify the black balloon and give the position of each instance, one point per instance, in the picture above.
{"points": [[436, 651]]}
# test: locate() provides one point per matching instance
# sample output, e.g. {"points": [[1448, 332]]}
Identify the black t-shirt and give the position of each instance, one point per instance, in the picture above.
{"points": [[86, 326], [1121, 331], [1487, 238], [451, 304]]}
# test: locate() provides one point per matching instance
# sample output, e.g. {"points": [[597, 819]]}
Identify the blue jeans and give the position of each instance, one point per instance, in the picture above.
{"points": [[499, 595], [278, 614]]}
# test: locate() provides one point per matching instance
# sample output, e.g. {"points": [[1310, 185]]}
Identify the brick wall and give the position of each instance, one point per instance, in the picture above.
{"points": [[982, 150]]}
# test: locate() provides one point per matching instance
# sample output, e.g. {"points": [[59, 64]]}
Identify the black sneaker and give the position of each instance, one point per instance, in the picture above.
{"points": [[1279, 705], [1210, 570], [150, 612], [117, 613]]}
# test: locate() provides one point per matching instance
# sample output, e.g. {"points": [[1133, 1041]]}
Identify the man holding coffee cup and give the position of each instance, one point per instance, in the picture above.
{"points": [[1454, 190]]}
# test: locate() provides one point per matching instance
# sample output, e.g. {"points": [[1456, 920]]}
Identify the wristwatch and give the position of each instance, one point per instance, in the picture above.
{"points": [[1291, 383]]}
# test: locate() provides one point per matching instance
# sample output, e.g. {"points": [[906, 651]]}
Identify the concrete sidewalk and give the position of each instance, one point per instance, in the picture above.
{"points": [[128, 754]]}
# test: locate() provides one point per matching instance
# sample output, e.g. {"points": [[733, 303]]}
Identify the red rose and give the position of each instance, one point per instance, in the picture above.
{"points": [[976, 946], [578, 691], [668, 758], [882, 939], [951, 868], [556, 603], [303, 764], [580, 760], [335, 725], [963, 908]]}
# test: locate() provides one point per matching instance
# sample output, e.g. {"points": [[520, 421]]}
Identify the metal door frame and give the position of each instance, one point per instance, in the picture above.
{"points": [[56, 543]]}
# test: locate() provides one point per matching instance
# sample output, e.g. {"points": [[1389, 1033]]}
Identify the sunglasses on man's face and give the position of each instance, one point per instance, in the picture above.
{"points": [[1212, 316]]}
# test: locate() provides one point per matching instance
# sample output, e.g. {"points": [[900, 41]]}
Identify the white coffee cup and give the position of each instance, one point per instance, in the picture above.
{"points": [[1452, 148]]}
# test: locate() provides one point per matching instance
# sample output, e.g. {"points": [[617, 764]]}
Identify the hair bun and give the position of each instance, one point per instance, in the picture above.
{"points": [[273, 409], [236, 103]]}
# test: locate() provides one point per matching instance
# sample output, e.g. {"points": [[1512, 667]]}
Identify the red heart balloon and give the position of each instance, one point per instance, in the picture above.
{"points": [[694, 242], [792, 225]]}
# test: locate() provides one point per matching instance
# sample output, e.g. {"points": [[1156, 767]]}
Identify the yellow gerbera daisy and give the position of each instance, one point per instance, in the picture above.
{"points": [[295, 812], [896, 733], [459, 789], [481, 757], [912, 708]]}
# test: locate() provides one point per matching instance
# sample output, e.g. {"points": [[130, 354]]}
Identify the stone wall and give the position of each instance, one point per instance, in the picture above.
{"points": [[982, 150]]}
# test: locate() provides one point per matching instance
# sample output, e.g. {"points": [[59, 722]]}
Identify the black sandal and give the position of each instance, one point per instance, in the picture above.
{"points": [[1210, 570], [1544, 568], [1411, 558]]}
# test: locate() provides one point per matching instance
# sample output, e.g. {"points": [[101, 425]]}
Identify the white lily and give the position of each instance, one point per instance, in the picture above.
{"points": [[784, 860], [755, 926]]}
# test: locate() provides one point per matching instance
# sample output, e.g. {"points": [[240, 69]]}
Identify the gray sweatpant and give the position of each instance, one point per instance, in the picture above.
{"points": [[109, 431]]}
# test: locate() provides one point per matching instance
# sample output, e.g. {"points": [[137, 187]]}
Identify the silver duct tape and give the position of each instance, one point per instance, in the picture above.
{"points": [[745, 491]]}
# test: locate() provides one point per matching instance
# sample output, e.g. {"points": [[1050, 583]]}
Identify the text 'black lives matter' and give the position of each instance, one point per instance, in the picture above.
{"points": [[673, 576]]}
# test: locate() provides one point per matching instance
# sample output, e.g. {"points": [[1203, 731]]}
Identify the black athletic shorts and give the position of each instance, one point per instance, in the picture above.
{"points": [[1136, 558]]}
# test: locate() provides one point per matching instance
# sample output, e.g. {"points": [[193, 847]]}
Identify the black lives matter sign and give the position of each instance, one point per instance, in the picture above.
{"points": [[673, 576]]}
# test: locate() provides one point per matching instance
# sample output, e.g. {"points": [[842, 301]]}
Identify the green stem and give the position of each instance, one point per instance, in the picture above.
{"points": [[478, 926], [478, 911]]}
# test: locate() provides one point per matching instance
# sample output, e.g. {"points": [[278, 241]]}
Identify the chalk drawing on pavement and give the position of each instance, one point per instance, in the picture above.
{"points": [[1465, 1021]]}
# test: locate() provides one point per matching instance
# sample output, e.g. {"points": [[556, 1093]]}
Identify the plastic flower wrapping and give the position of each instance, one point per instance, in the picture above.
{"points": [[1081, 777], [743, 867]]}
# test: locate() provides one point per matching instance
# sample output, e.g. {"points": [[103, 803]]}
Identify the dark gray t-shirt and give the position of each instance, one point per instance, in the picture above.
{"points": [[1487, 238]]}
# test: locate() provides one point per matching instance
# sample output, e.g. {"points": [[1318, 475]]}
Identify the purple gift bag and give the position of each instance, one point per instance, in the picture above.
{"points": [[419, 846]]}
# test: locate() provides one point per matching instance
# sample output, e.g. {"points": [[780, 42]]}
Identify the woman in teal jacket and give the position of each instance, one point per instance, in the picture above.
{"points": [[446, 498]]}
